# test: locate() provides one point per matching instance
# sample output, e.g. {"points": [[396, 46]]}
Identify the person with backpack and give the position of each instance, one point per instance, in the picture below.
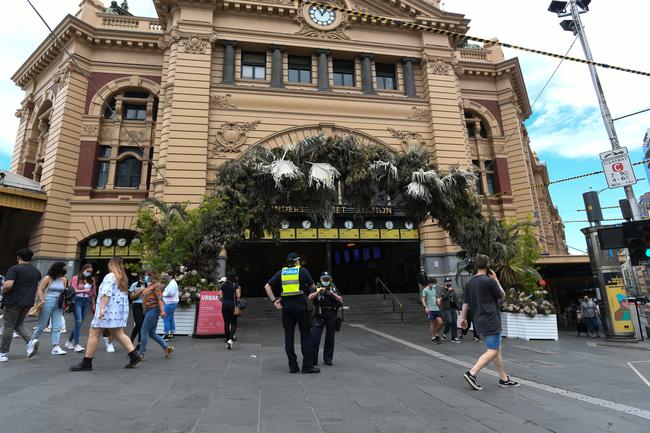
{"points": [[153, 307], [50, 295], [18, 294], [229, 294], [449, 309], [84, 294], [112, 313]]}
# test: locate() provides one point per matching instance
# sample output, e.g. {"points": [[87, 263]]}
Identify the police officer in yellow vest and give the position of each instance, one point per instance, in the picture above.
{"points": [[294, 283]]}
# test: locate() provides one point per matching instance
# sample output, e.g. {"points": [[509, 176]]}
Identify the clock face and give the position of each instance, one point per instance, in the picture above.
{"points": [[107, 242], [408, 225], [389, 225], [328, 224], [93, 242], [348, 224], [306, 224], [284, 225], [370, 225], [121, 242], [322, 15]]}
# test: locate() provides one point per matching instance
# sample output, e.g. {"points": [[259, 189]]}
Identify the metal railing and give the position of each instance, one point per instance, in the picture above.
{"points": [[385, 290]]}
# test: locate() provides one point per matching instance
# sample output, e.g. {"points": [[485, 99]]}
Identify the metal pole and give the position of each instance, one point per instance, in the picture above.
{"points": [[604, 110]]}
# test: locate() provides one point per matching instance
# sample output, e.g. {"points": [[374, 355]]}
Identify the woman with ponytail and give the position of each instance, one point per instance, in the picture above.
{"points": [[112, 313]]}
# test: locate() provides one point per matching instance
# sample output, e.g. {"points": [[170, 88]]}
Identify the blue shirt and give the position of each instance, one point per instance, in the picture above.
{"points": [[132, 289]]}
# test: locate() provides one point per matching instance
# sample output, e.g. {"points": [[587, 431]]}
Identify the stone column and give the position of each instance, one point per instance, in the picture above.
{"points": [[409, 77], [277, 76], [229, 62], [323, 69], [366, 74]]}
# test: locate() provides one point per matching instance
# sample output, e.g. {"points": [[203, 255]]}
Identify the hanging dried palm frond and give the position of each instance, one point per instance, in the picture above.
{"points": [[384, 168], [322, 175], [281, 169], [457, 176], [427, 177], [418, 191]]}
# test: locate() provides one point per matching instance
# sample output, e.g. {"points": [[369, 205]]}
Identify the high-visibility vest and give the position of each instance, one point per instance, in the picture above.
{"points": [[290, 278]]}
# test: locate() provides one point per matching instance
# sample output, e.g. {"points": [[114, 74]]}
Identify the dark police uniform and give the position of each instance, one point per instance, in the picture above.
{"points": [[325, 314], [293, 282]]}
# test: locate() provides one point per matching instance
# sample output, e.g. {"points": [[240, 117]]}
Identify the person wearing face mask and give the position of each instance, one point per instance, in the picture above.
{"points": [[135, 294], [48, 294], [327, 302], [84, 293]]}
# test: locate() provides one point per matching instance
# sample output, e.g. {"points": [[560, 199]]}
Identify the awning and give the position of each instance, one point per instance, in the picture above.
{"points": [[19, 192]]}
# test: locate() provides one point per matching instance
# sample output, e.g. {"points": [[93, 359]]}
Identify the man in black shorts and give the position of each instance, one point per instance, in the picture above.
{"points": [[294, 283], [483, 294]]}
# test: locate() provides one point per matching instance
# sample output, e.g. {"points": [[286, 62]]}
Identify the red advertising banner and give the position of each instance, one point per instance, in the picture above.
{"points": [[209, 320]]}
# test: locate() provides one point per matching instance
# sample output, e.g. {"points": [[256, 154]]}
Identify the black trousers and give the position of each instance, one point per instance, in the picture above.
{"points": [[326, 320], [229, 320], [294, 312], [138, 318]]}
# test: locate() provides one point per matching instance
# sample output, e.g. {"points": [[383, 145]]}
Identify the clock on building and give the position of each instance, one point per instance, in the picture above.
{"points": [[306, 224], [121, 242], [284, 225], [328, 224], [93, 242], [322, 15], [370, 225], [348, 224], [408, 225], [107, 242], [389, 225]]}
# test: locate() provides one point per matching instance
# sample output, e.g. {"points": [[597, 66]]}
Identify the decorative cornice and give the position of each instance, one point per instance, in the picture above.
{"points": [[442, 65]]}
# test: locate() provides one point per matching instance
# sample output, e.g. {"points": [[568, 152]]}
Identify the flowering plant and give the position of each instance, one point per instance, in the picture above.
{"points": [[517, 301], [190, 284]]}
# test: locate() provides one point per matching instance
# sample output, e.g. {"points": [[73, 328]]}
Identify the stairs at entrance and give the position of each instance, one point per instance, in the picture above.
{"points": [[358, 308]]}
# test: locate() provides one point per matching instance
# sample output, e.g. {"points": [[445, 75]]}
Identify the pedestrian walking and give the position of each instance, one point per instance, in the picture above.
{"points": [[49, 295], [327, 301], [431, 303], [112, 313], [136, 291], [422, 279], [483, 293], [230, 294], [449, 310], [170, 297], [84, 294], [18, 294], [153, 307], [590, 313], [294, 282]]}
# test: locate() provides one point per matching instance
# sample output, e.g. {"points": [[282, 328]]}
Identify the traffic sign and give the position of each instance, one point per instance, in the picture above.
{"points": [[618, 168]]}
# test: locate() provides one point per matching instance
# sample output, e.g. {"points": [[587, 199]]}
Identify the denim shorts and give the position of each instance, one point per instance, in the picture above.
{"points": [[492, 341], [433, 315]]}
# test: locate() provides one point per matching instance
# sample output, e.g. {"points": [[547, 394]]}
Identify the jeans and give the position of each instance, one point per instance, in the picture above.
{"points": [[294, 311], [451, 317], [50, 310], [326, 320], [229, 319], [149, 329], [81, 306], [168, 322], [592, 324], [138, 318], [14, 318]]}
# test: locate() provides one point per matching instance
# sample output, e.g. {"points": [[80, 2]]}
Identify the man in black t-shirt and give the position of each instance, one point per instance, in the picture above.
{"points": [[483, 294], [19, 292], [294, 283]]}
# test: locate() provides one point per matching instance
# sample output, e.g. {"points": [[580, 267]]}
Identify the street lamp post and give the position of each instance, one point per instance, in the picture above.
{"points": [[575, 9]]}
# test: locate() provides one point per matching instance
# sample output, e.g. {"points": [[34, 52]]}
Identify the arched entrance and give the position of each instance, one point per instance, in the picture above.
{"points": [[354, 247]]}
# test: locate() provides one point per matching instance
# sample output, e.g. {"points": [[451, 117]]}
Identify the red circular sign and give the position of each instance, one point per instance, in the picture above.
{"points": [[618, 166]]}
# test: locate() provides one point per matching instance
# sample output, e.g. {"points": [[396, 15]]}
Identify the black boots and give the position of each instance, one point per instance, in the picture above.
{"points": [[134, 358], [86, 364]]}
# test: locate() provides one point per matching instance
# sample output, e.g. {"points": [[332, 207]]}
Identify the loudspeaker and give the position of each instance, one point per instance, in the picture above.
{"points": [[626, 209], [592, 206]]}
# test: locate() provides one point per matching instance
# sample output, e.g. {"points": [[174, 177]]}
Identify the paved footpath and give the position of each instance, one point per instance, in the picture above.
{"points": [[386, 378]]}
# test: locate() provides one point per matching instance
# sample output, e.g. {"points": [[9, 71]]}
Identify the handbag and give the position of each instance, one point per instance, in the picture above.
{"points": [[237, 311], [35, 310], [242, 303], [339, 321]]}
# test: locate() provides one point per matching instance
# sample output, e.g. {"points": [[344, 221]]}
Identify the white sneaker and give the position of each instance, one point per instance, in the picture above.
{"points": [[47, 330], [16, 334], [110, 348], [79, 348], [56, 350], [63, 331], [32, 348], [4, 357], [229, 345], [68, 345]]}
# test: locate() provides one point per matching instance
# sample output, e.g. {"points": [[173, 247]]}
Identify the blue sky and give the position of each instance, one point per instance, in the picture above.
{"points": [[566, 129]]}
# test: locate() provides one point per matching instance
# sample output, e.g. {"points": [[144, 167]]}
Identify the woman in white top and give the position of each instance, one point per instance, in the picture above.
{"points": [[48, 293], [112, 313], [170, 298]]}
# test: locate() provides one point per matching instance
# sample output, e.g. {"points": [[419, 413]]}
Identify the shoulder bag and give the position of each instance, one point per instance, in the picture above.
{"points": [[37, 307]]}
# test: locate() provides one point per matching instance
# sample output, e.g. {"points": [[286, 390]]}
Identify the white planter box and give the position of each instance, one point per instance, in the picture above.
{"points": [[519, 325], [184, 320]]}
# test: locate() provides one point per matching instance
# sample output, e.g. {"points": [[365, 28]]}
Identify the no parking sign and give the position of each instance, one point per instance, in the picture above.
{"points": [[618, 168]]}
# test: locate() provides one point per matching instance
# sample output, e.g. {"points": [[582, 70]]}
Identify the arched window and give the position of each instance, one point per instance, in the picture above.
{"points": [[483, 157], [129, 172]]}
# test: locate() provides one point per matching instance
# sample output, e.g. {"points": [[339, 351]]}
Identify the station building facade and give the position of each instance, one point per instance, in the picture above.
{"points": [[207, 80]]}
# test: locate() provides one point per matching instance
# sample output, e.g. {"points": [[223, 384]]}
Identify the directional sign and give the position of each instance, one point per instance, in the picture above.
{"points": [[618, 168]]}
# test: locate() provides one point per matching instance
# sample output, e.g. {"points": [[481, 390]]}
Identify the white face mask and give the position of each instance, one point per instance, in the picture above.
{"points": [[87, 274], [325, 283]]}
